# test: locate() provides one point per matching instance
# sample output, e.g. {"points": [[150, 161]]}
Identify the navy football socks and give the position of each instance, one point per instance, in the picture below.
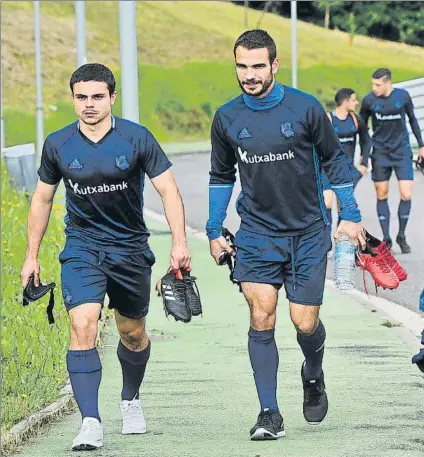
{"points": [[264, 360], [383, 213], [313, 349], [403, 214], [85, 373], [133, 366]]}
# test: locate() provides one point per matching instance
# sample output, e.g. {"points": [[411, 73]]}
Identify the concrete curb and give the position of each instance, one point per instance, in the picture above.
{"points": [[30, 426]]}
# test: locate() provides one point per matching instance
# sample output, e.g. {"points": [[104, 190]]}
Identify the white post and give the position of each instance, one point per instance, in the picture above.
{"points": [[38, 79], [2, 118], [293, 6], [80, 32], [129, 69]]}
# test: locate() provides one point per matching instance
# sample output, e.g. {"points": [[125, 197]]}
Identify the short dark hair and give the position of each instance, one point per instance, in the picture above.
{"points": [[256, 39], [382, 73], [343, 94], [93, 72]]}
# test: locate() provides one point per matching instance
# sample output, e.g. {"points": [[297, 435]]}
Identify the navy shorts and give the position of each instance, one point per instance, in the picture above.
{"points": [[88, 274], [356, 177], [298, 262], [383, 165]]}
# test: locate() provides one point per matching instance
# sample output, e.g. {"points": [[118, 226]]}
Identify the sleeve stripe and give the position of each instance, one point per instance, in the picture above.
{"points": [[341, 186], [221, 185]]}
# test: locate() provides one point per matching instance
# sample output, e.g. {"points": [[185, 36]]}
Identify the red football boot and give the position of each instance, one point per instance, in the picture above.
{"points": [[375, 264], [380, 247]]}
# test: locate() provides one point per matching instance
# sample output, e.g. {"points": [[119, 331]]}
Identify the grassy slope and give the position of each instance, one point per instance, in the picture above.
{"points": [[185, 56], [32, 353]]}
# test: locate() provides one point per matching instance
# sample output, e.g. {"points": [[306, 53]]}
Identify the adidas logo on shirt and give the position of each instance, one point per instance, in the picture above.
{"points": [[244, 134], [75, 165]]}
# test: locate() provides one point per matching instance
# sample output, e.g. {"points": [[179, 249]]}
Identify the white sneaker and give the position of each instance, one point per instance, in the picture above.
{"points": [[90, 436], [133, 421]]}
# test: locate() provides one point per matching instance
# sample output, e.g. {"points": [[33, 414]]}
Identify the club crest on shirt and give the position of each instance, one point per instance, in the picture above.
{"points": [[122, 162], [287, 129], [398, 104]]}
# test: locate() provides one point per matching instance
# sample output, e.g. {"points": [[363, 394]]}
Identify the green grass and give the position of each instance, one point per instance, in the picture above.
{"points": [[32, 352], [185, 55], [180, 102]]}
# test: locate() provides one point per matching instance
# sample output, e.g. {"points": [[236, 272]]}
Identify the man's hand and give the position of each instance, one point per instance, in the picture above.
{"points": [[180, 256], [31, 266], [362, 169], [218, 246], [421, 153], [355, 230]]}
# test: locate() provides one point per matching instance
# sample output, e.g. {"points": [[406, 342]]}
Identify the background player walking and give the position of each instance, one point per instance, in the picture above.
{"points": [[348, 126], [388, 108]]}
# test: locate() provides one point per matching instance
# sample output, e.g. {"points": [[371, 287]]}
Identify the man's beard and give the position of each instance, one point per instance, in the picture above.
{"points": [[266, 84]]}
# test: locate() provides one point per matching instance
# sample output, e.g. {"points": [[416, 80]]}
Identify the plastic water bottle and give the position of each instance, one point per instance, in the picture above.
{"points": [[344, 263]]}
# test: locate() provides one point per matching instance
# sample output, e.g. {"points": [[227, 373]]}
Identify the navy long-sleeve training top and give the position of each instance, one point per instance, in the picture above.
{"points": [[279, 153], [388, 118]]}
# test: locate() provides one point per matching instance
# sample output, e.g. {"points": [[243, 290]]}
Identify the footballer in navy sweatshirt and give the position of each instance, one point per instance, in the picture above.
{"points": [[388, 108], [279, 138]]}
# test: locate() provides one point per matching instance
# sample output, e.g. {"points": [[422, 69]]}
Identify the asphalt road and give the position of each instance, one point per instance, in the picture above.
{"points": [[191, 173]]}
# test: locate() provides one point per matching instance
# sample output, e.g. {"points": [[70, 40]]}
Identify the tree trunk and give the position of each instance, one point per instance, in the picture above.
{"points": [[327, 17], [246, 8]]}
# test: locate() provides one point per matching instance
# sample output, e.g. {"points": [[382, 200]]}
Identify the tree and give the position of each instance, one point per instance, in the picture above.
{"points": [[326, 5], [352, 27]]}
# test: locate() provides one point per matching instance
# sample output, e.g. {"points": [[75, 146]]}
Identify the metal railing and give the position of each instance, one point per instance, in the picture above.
{"points": [[415, 87]]}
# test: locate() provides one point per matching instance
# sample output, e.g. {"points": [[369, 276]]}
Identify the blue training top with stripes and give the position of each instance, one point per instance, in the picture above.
{"points": [[279, 153], [389, 124], [104, 181], [347, 131]]}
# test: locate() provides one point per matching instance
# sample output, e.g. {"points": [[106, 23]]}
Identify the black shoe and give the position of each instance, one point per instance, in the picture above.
{"points": [[404, 246], [389, 242], [173, 291], [419, 359], [315, 402], [192, 293], [270, 426]]}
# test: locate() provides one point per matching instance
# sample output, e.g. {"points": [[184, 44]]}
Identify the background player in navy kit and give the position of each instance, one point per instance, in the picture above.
{"points": [[388, 107], [278, 136], [103, 161], [348, 126]]}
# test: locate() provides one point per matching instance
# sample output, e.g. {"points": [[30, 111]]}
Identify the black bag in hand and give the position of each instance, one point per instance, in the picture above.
{"points": [[32, 293]]}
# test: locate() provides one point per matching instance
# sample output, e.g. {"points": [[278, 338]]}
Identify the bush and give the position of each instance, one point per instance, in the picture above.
{"points": [[32, 352]]}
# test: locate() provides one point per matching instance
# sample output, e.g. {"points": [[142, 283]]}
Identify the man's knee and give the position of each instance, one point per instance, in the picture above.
{"points": [[262, 320], [306, 325], [134, 338], [382, 189], [84, 330]]}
